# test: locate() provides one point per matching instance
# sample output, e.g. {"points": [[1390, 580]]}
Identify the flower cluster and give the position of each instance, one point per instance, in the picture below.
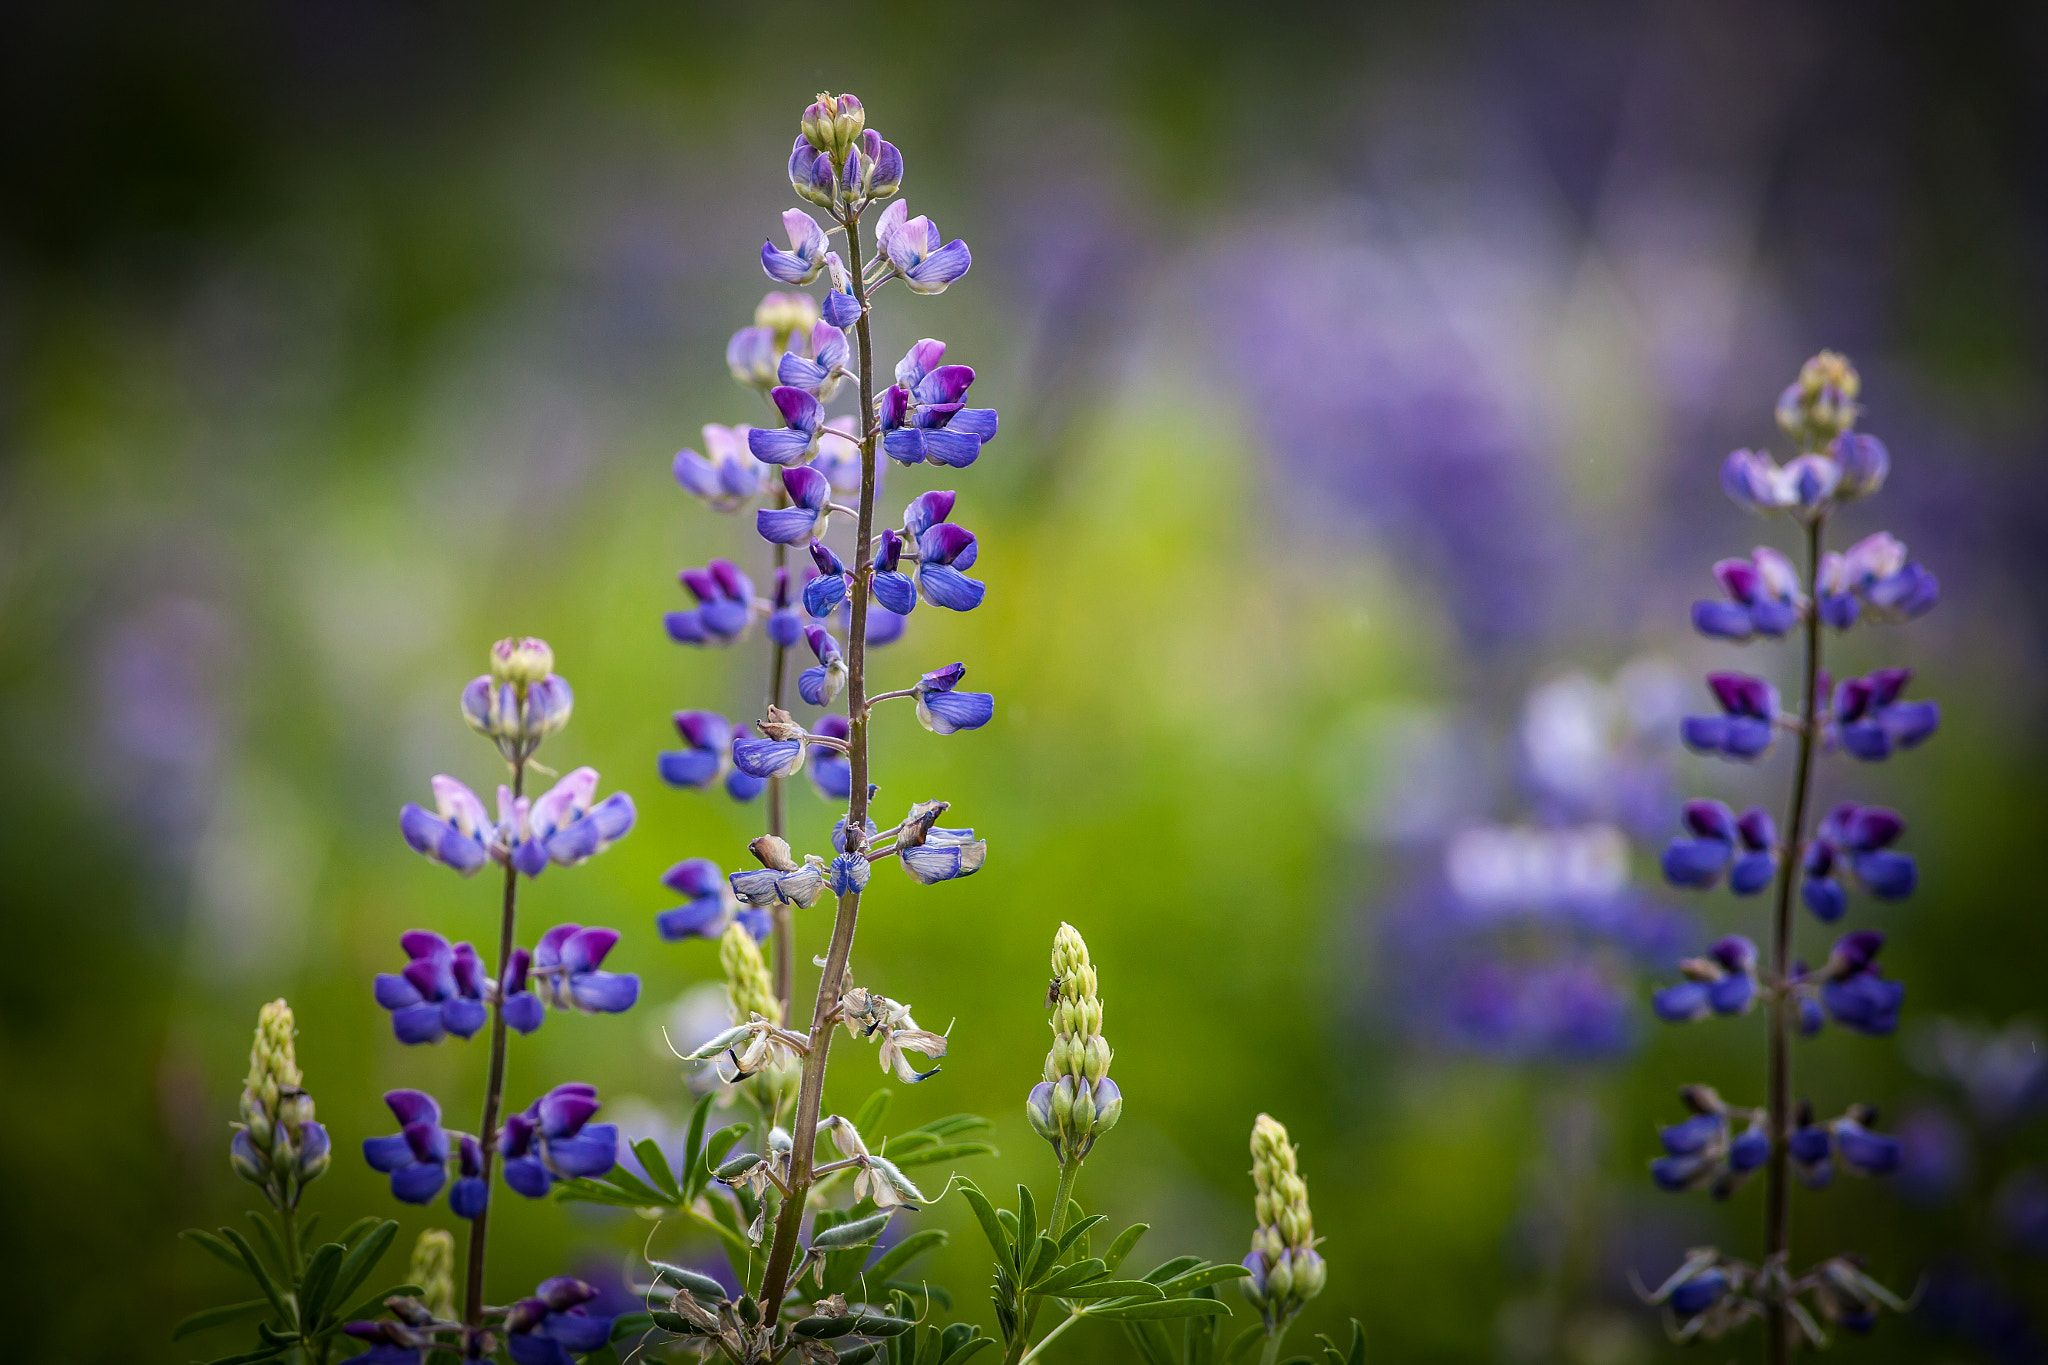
{"points": [[1077, 1102], [278, 1145], [1768, 597], [1286, 1271], [561, 826]]}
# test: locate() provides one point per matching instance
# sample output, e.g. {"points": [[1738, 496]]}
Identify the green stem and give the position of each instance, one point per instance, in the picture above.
{"points": [[778, 667], [1047, 1339], [1062, 1198], [1778, 1324], [288, 1218], [494, 1091], [1271, 1351]]}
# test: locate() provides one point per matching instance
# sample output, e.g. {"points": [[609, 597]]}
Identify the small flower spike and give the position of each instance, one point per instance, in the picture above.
{"points": [[780, 879], [1076, 1103], [806, 255], [1286, 1271], [796, 440], [1870, 721], [1874, 575], [1748, 724], [810, 495], [1854, 989], [943, 711], [1855, 840], [708, 757], [554, 1140], [1722, 982], [709, 904], [822, 371], [568, 961], [831, 771], [458, 835], [552, 1327], [521, 701], [922, 416], [440, 991], [725, 604], [1745, 848], [911, 246], [278, 1145], [728, 476], [1763, 598], [930, 854], [818, 685], [416, 1156], [561, 825]]}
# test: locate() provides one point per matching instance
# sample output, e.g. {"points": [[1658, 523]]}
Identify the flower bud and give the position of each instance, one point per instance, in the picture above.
{"points": [[316, 1151], [247, 1161], [787, 316], [1821, 404], [519, 702], [1038, 1109], [749, 990], [1109, 1105], [521, 661], [433, 1269]]}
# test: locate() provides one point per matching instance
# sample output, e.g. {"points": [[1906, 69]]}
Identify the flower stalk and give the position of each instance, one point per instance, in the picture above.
{"points": [[494, 1086]]}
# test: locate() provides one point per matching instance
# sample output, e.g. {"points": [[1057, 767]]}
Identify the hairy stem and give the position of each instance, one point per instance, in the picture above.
{"points": [[775, 1279], [778, 661], [494, 1090], [1062, 1197], [1777, 1196]]}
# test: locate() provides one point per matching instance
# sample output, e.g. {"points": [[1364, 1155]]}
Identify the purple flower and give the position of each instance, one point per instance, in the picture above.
{"points": [[725, 604], [517, 715], [922, 416], [893, 588], [1854, 989], [810, 173], [708, 757], [764, 758], [831, 771], [806, 255], [826, 586], [1864, 462], [1756, 482], [554, 1325], [819, 684], [912, 248], [469, 1195], [1811, 1148], [1861, 1150], [942, 710], [416, 1156], [810, 494], [1748, 723], [522, 1008], [709, 904], [796, 440], [881, 165], [1697, 1293], [780, 879], [1874, 575], [568, 960], [785, 626], [441, 991], [930, 854], [847, 874], [1718, 840], [1704, 1149], [458, 835], [560, 825], [729, 476], [1764, 598], [824, 369], [555, 1140], [752, 355], [1855, 840], [1870, 721], [1722, 982], [943, 552]]}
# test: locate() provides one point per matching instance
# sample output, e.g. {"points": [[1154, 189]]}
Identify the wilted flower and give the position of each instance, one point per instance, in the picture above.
{"points": [[871, 1015], [440, 991], [1870, 721], [1763, 598], [942, 710], [1746, 848], [1748, 723], [568, 962], [1855, 840], [728, 476], [877, 1177], [780, 879], [725, 605], [555, 1140]]}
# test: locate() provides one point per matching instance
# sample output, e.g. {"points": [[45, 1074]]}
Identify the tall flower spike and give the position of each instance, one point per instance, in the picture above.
{"points": [[1077, 1102], [278, 1145], [1285, 1270]]}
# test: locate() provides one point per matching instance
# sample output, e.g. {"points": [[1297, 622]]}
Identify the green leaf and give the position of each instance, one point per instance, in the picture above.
{"points": [[966, 1351], [318, 1282], [953, 1125], [273, 1291], [271, 1243], [1112, 1289], [932, 1156], [631, 1325], [903, 1144], [991, 1226], [1043, 1253], [1157, 1308], [721, 1142], [1200, 1276], [249, 1358], [868, 1120], [903, 1253], [1198, 1345], [1354, 1354], [1058, 1278], [362, 1258], [1122, 1246], [357, 1230], [216, 1246], [1244, 1344], [215, 1317], [1027, 1226], [1080, 1228], [639, 1192], [696, 1170], [1152, 1343], [603, 1355], [655, 1162], [585, 1191], [1165, 1271], [932, 1293], [725, 1223], [306, 1226]]}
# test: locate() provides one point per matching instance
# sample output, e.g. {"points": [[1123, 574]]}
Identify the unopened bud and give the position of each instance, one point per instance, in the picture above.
{"points": [[749, 990], [433, 1270], [1285, 1238], [316, 1151], [1038, 1107], [1821, 404], [522, 661], [1109, 1105], [247, 1161], [786, 316]]}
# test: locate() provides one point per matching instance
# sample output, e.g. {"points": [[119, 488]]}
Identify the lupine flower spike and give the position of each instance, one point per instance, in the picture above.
{"points": [[1077, 1102], [1286, 1271], [278, 1146]]}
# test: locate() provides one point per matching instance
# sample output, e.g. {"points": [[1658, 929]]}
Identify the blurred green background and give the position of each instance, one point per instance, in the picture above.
{"points": [[1360, 369]]}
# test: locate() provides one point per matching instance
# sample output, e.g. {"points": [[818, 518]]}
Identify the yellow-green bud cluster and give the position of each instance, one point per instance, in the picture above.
{"points": [[833, 125], [1821, 404], [750, 991], [787, 315], [1076, 1103], [524, 661], [1285, 1270], [433, 1270], [278, 1144]]}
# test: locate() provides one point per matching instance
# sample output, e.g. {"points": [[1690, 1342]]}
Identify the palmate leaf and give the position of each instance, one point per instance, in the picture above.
{"points": [[217, 1317]]}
